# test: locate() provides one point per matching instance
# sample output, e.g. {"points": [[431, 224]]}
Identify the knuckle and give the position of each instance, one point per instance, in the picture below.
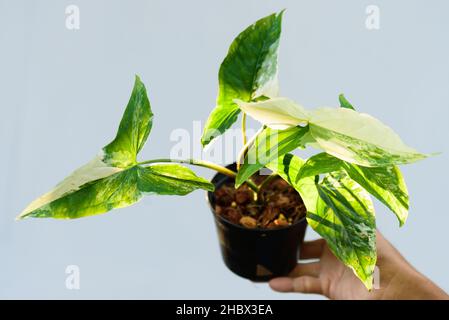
{"points": [[302, 284]]}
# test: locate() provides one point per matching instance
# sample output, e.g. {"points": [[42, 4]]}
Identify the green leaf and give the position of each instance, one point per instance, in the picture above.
{"points": [[94, 197], [385, 183], [340, 211], [269, 145], [118, 190], [359, 138], [170, 179], [276, 113], [345, 218], [344, 103], [319, 164], [344, 133], [280, 114], [112, 179], [248, 72], [133, 131]]}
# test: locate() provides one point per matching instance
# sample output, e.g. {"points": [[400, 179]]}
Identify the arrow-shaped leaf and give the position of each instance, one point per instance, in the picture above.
{"points": [[385, 183], [345, 218], [113, 179], [344, 103], [342, 132], [276, 113], [133, 131], [118, 190], [248, 71], [359, 138], [340, 211]]}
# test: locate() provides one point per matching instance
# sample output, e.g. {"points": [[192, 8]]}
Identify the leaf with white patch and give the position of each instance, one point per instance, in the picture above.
{"points": [[121, 189], [345, 218], [113, 179], [95, 170], [340, 211], [276, 113], [359, 138], [249, 71], [133, 131], [385, 183]]}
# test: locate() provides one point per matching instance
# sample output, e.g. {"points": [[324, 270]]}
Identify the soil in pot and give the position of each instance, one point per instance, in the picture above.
{"points": [[277, 205]]}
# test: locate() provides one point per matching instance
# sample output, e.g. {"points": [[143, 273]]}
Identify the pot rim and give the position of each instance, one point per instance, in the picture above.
{"points": [[242, 227]]}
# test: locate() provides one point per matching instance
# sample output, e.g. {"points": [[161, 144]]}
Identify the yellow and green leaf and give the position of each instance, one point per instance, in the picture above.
{"points": [[269, 145], [345, 218], [249, 71], [359, 138], [386, 183], [113, 179], [342, 132], [338, 209]]}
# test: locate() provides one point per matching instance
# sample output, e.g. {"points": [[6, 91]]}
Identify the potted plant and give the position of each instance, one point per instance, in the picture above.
{"points": [[261, 219]]}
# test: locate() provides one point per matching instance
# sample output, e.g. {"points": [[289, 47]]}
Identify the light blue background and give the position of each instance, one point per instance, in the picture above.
{"points": [[62, 94]]}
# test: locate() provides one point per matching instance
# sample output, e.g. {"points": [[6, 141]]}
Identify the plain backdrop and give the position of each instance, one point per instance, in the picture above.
{"points": [[62, 93]]}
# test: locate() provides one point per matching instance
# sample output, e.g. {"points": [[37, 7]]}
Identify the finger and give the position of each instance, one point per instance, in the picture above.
{"points": [[311, 249], [306, 269], [305, 284], [283, 284]]}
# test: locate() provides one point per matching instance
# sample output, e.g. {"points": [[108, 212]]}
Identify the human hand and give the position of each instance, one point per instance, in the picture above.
{"points": [[331, 278]]}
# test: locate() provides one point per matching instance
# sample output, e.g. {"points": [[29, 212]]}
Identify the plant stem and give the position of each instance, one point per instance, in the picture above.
{"points": [[267, 181], [244, 128], [244, 141], [246, 146], [205, 164], [199, 163]]}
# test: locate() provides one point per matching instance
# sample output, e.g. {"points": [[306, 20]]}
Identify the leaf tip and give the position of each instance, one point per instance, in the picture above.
{"points": [[138, 83], [210, 187], [344, 103], [22, 215], [205, 140], [238, 180], [237, 184], [209, 134], [369, 281], [433, 154]]}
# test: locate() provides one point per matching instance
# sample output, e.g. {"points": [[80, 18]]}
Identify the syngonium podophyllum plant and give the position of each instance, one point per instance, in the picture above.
{"points": [[360, 155]]}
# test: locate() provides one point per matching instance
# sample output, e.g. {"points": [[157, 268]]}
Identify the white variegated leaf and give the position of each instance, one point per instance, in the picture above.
{"points": [[359, 138], [276, 113], [96, 169]]}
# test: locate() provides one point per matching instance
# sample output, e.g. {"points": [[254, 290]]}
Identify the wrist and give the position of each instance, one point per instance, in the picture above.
{"points": [[409, 284]]}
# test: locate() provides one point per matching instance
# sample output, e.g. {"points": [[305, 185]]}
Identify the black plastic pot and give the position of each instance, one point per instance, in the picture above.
{"points": [[256, 254]]}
